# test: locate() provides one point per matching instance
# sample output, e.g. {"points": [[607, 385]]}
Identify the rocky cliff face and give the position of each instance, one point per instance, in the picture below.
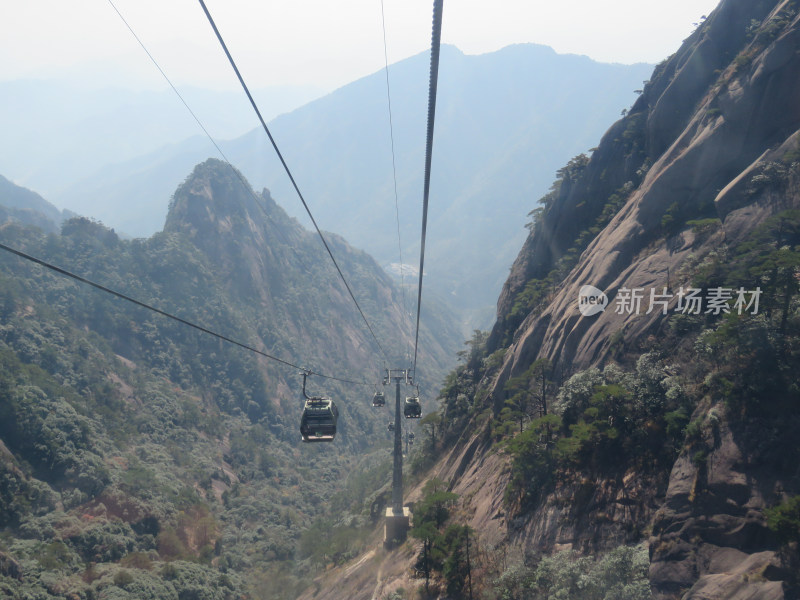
{"points": [[709, 535], [699, 142], [722, 106], [268, 258], [675, 189], [704, 157]]}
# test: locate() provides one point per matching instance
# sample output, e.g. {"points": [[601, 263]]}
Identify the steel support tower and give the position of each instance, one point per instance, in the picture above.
{"points": [[397, 517]]}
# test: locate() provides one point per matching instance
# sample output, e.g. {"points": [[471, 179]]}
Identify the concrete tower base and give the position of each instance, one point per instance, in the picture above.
{"points": [[395, 531]]}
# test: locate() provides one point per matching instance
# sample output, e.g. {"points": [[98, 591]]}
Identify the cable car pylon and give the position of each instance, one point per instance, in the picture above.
{"points": [[397, 515]]}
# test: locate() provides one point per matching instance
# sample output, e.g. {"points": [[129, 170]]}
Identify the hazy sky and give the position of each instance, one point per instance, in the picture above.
{"points": [[318, 42]]}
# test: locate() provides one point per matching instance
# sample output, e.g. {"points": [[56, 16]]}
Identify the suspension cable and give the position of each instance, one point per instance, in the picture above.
{"points": [[394, 174], [436, 37], [164, 313], [247, 187], [288, 172]]}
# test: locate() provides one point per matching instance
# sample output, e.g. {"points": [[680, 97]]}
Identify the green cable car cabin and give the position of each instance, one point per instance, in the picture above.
{"points": [[318, 423], [412, 408], [378, 399]]}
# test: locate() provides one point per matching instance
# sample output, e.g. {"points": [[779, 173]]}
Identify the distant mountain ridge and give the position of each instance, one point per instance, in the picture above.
{"points": [[57, 132], [505, 121], [29, 207], [523, 111]]}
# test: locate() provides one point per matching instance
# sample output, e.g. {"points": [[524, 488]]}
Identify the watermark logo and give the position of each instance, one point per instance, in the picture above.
{"points": [[591, 301], [689, 301]]}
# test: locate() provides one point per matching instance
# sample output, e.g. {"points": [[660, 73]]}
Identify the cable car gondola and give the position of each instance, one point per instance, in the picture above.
{"points": [[318, 423], [378, 399], [412, 408]]}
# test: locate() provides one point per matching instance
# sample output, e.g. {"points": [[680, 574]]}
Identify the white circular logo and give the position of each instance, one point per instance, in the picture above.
{"points": [[591, 301]]}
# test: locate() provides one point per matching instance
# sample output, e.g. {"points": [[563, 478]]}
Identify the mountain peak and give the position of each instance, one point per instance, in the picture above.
{"points": [[211, 198], [245, 234]]}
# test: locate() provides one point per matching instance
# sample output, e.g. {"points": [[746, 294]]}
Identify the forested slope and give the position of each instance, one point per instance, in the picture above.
{"points": [[141, 458]]}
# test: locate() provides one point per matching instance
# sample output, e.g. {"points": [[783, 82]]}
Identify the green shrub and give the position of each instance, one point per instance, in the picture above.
{"points": [[621, 574], [106, 541], [137, 560], [704, 226], [170, 545], [694, 430], [123, 578], [784, 519], [677, 421]]}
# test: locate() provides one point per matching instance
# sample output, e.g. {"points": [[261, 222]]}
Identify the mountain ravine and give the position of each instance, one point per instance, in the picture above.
{"points": [[666, 432], [144, 459]]}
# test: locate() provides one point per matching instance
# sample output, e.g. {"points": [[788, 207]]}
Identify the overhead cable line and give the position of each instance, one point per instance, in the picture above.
{"points": [[288, 172], [247, 187], [436, 37], [163, 74], [394, 171], [164, 313]]}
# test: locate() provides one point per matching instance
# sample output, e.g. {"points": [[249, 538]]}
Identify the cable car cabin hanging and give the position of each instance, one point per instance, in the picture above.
{"points": [[412, 408], [378, 399], [318, 422]]}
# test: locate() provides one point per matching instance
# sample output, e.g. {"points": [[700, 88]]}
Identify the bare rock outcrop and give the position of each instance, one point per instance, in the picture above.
{"points": [[716, 114], [710, 538], [749, 116]]}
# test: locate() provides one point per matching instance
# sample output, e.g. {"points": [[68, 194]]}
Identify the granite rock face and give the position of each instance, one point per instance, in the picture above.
{"points": [[713, 118], [721, 110], [709, 538]]}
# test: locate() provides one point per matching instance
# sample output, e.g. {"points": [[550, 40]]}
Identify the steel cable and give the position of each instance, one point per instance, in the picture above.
{"points": [[164, 313], [288, 172], [436, 37]]}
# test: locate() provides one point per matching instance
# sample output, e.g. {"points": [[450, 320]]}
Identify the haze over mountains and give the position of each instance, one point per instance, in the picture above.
{"points": [[28, 207], [57, 132], [505, 122]]}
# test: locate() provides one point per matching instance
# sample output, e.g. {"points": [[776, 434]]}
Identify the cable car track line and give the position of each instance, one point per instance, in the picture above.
{"points": [[436, 37], [288, 172], [164, 313], [174, 89], [247, 187], [394, 172]]}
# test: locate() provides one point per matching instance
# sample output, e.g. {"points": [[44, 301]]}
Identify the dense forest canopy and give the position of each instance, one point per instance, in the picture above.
{"points": [[143, 458]]}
